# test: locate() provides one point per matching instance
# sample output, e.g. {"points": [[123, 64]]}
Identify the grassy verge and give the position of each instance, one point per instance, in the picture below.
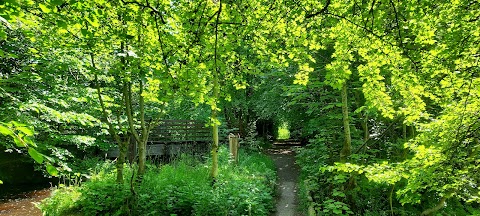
{"points": [[180, 188]]}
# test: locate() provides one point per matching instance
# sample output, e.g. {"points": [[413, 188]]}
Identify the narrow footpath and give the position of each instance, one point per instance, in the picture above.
{"points": [[288, 173], [23, 204]]}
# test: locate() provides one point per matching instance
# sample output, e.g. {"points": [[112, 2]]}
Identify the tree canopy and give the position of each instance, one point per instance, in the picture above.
{"points": [[385, 92]]}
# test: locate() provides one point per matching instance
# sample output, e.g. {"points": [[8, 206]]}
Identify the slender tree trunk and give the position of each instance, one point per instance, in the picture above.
{"points": [[111, 129], [216, 93], [127, 94], [390, 199], [214, 171], [145, 130], [439, 206], [122, 154], [122, 149], [241, 123], [142, 156], [347, 145], [366, 133], [412, 131]]}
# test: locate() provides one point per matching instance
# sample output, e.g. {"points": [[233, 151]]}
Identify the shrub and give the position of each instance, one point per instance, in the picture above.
{"points": [[63, 201], [182, 187]]}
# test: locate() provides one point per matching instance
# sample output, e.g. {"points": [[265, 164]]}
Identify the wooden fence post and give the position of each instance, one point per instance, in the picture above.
{"points": [[233, 144]]}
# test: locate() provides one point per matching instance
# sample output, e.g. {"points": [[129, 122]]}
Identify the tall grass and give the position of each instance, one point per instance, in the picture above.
{"points": [[182, 187]]}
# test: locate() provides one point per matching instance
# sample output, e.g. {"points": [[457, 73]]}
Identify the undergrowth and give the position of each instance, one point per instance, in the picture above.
{"points": [[331, 192], [179, 188]]}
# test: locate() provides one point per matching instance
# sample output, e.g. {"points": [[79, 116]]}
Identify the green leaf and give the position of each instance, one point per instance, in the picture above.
{"points": [[84, 32], [44, 8], [18, 141], [3, 35], [52, 170], [1, 182], [360, 109], [18, 124], [27, 131], [5, 131], [62, 24], [57, 2], [35, 155], [29, 141]]}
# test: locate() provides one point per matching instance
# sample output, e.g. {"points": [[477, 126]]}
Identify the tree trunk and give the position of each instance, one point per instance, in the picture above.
{"points": [[111, 129], [142, 148], [142, 157], [440, 205], [216, 93], [122, 149], [347, 145], [366, 133], [390, 199], [127, 94], [412, 131], [214, 172]]}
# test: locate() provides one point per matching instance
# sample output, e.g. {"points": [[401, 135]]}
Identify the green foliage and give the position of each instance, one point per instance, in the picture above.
{"points": [[37, 92], [22, 136], [63, 201], [181, 188], [411, 68], [283, 132], [114, 197], [332, 207]]}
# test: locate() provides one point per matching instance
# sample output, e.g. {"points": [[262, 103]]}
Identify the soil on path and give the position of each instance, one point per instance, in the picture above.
{"points": [[23, 204], [288, 172]]}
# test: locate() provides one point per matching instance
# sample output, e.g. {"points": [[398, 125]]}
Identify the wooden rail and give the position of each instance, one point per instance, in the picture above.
{"points": [[173, 137]]}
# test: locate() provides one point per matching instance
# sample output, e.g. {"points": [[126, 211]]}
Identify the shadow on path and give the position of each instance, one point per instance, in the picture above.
{"points": [[288, 173]]}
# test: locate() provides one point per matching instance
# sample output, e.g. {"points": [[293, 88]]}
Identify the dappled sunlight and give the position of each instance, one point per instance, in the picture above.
{"points": [[133, 107]]}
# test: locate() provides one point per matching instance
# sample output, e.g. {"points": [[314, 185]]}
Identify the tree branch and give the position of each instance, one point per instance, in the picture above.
{"points": [[370, 31], [214, 171], [128, 102], [377, 140], [154, 10], [372, 12], [111, 129], [323, 10], [440, 205], [400, 41]]}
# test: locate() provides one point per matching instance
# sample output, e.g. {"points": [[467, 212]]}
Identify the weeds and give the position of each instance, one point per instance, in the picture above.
{"points": [[182, 187]]}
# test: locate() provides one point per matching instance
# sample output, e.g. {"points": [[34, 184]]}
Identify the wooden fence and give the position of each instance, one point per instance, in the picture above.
{"points": [[172, 138]]}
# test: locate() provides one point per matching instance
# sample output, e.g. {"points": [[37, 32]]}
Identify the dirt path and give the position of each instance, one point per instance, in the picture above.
{"points": [[23, 205], [288, 172]]}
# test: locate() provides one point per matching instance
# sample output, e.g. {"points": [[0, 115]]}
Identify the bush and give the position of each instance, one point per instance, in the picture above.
{"points": [[63, 201], [180, 188]]}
